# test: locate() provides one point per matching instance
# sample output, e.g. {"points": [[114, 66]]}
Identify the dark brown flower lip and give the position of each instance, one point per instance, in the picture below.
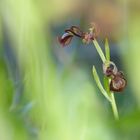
{"points": [[65, 39], [118, 84]]}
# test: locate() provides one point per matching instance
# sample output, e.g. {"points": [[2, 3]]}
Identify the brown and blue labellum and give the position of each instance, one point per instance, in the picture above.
{"points": [[65, 39], [118, 83]]}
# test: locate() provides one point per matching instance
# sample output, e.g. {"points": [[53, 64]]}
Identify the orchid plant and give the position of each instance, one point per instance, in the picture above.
{"points": [[114, 80]]}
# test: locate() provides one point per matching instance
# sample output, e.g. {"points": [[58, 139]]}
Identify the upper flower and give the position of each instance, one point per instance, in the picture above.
{"points": [[86, 37]]}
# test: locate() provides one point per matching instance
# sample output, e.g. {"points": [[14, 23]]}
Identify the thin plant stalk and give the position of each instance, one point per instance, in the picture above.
{"points": [[114, 106], [99, 50], [109, 95]]}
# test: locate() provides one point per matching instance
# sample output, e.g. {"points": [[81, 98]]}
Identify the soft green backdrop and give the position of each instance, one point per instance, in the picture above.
{"points": [[47, 92]]}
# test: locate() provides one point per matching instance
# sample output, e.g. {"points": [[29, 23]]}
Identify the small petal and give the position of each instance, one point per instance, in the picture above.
{"points": [[95, 29]]}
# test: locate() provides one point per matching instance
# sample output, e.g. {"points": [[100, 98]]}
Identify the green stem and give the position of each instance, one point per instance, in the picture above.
{"points": [[107, 50], [114, 106], [99, 50]]}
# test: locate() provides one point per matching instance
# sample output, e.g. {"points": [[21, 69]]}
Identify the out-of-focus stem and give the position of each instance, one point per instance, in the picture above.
{"points": [[114, 106]]}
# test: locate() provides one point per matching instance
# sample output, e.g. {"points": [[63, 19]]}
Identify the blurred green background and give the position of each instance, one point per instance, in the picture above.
{"points": [[48, 92]]}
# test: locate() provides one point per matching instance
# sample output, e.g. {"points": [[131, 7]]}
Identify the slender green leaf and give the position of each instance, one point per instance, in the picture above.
{"points": [[97, 80], [107, 50]]}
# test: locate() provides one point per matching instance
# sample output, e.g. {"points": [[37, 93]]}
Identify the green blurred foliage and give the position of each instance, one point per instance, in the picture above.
{"points": [[44, 99]]}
